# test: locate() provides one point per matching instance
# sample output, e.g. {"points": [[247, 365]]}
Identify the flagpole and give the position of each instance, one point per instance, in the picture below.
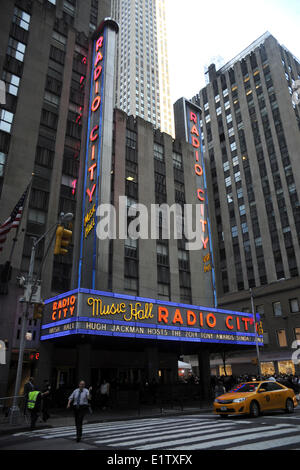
{"points": [[15, 239]]}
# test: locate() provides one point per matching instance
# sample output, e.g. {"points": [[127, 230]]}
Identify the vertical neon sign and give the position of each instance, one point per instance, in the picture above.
{"points": [[92, 165], [195, 139]]}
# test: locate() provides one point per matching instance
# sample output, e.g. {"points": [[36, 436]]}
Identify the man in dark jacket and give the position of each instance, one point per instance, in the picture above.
{"points": [[46, 400]]}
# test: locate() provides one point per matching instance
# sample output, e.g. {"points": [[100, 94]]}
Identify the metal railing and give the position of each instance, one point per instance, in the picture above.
{"points": [[6, 407]]}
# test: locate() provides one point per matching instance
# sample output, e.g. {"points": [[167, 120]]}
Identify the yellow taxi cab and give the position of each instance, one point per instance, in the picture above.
{"points": [[255, 397]]}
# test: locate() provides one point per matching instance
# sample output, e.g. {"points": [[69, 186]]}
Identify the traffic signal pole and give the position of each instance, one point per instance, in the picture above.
{"points": [[15, 410]]}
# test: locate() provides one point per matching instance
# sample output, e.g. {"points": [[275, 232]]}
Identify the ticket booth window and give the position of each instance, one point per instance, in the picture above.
{"points": [[281, 335], [286, 367]]}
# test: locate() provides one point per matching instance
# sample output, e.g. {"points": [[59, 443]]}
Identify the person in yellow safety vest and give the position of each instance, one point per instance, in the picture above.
{"points": [[34, 405]]}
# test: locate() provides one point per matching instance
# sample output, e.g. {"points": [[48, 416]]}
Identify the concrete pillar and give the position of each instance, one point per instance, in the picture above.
{"points": [[83, 363], [204, 375]]}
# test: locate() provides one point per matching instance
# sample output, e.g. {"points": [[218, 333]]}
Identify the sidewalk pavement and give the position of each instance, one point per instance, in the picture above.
{"points": [[63, 417]]}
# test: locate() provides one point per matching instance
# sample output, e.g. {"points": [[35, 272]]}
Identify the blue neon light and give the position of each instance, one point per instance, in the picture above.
{"points": [[141, 299], [145, 325], [85, 176], [206, 205], [141, 336], [99, 159]]}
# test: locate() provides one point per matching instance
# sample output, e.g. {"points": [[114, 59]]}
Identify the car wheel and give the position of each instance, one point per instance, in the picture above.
{"points": [[254, 409], [289, 406]]}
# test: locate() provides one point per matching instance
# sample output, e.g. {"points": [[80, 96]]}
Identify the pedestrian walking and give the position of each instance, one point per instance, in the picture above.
{"points": [[46, 398], [34, 406], [104, 394], [28, 387], [80, 399]]}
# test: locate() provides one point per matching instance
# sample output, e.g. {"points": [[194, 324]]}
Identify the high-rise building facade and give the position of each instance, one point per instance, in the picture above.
{"points": [[143, 86], [251, 136], [43, 62]]}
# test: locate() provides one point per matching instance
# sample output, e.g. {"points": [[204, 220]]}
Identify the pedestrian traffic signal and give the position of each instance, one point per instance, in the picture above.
{"points": [[62, 241], [38, 311]]}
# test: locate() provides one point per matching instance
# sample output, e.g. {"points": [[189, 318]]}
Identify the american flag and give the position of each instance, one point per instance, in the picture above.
{"points": [[13, 220]]}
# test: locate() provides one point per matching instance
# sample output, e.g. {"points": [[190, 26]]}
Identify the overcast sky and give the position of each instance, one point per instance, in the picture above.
{"points": [[201, 32]]}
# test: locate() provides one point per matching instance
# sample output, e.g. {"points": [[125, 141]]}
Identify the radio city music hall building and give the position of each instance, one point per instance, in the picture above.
{"points": [[121, 309], [136, 306]]}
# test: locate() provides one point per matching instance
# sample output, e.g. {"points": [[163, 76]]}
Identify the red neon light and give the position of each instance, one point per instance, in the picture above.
{"points": [[90, 193], [199, 192], [91, 171], [99, 43], [94, 137], [96, 103], [198, 169], [99, 58], [97, 72], [193, 117]]}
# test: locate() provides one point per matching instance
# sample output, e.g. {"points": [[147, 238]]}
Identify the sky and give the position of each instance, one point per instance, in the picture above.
{"points": [[202, 32]]}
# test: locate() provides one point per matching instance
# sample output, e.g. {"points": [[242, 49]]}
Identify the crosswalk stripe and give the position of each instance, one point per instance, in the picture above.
{"points": [[243, 436], [270, 444], [157, 437], [99, 426], [211, 437], [114, 430]]}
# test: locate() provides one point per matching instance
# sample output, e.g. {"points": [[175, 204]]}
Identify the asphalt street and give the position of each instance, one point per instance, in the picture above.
{"points": [[190, 432]]}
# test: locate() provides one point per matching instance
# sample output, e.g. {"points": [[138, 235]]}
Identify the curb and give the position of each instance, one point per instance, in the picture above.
{"points": [[106, 420]]}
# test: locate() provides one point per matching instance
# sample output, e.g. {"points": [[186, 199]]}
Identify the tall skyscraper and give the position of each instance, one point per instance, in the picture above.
{"points": [[250, 132], [43, 62], [143, 87]]}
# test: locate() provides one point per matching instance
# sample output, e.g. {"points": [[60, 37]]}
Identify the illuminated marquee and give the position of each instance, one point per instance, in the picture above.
{"points": [[96, 175], [194, 125], [101, 313]]}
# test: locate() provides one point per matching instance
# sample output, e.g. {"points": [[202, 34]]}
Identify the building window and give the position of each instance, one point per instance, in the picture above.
{"points": [[294, 305], [297, 333], [51, 98], [130, 139], [21, 18], [2, 163], [6, 119], [286, 367], [36, 216], [277, 309], [234, 231], [131, 284], [267, 368], [12, 81], [281, 337], [16, 49], [158, 152], [260, 309], [163, 290], [177, 160]]}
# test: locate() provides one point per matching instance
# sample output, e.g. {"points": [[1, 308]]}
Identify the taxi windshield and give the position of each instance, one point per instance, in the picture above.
{"points": [[244, 388]]}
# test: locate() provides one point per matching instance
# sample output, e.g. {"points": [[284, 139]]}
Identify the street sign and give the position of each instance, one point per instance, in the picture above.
{"points": [[36, 294]]}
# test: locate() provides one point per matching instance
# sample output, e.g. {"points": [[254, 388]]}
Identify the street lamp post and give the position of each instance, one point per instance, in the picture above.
{"points": [[15, 411], [256, 336]]}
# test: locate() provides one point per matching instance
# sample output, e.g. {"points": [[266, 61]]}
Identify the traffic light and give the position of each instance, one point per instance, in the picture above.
{"points": [[62, 241], [38, 311]]}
